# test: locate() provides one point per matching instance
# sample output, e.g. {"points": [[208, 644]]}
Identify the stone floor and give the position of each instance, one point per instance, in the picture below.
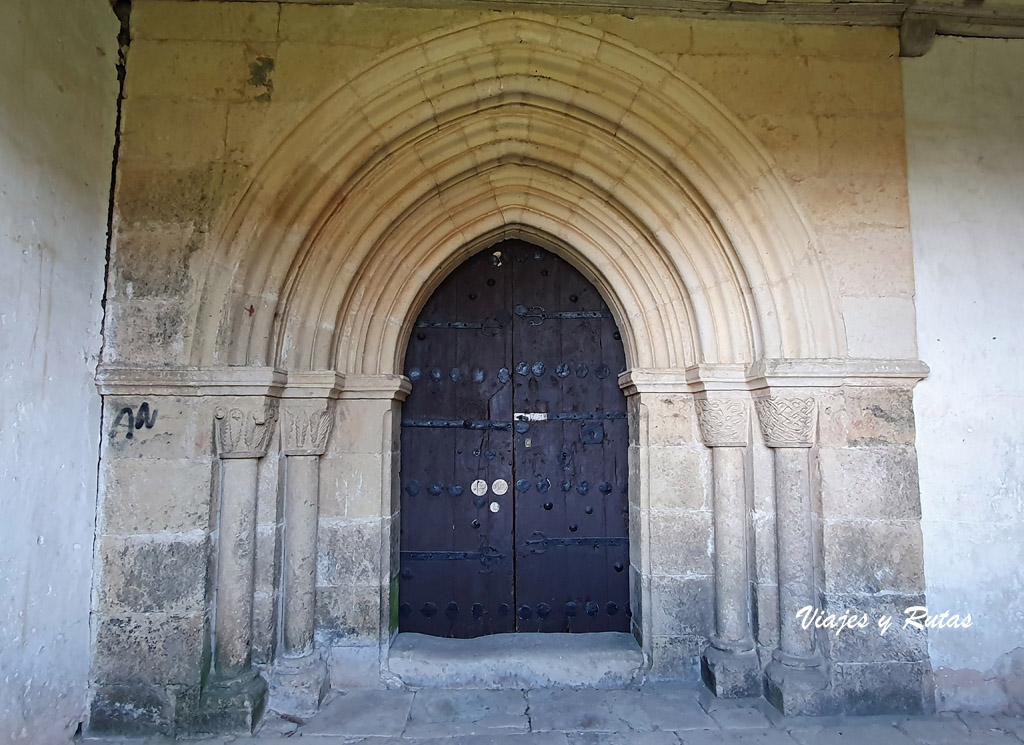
{"points": [[657, 714]]}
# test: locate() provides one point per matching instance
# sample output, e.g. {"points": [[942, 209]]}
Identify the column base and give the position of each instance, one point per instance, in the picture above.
{"points": [[298, 685], [232, 704], [731, 673], [799, 690]]}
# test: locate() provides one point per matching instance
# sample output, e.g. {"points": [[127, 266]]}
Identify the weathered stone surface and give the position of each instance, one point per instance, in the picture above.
{"points": [[443, 713], [900, 643], [768, 737], [678, 478], [847, 43], [152, 495], [681, 542], [190, 69], [730, 674], [739, 718], [676, 657], [172, 197], [265, 615], [234, 705], [150, 648], [214, 21], [348, 614], [871, 556], [765, 622], [799, 691], [351, 485], [349, 552], [198, 69], [586, 710], [882, 264], [134, 710], [682, 605], [144, 325], [153, 575], [160, 427], [298, 686], [360, 425], [711, 38], [363, 714], [514, 661], [880, 733], [876, 483], [881, 327], [883, 688], [940, 730], [672, 419], [866, 417]]}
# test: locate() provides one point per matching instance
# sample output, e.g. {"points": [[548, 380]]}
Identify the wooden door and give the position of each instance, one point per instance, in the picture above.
{"points": [[514, 438]]}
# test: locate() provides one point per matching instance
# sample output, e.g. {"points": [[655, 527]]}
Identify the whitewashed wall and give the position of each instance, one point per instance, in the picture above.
{"points": [[58, 92], [965, 136]]}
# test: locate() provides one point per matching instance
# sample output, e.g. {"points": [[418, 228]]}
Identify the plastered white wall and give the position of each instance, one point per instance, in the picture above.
{"points": [[965, 137], [58, 95]]}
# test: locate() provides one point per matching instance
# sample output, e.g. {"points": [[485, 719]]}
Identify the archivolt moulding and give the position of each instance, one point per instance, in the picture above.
{"points": [[527, 126]]}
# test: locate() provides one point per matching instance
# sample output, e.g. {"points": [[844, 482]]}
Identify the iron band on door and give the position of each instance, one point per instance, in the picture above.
{"points": [[514, 440]]}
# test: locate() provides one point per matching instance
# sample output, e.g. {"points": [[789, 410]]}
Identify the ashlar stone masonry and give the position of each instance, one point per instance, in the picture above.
{"points": [[295, 180]]}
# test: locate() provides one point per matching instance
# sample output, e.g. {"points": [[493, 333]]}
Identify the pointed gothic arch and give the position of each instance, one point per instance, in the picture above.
{"points": [[518, 126]]}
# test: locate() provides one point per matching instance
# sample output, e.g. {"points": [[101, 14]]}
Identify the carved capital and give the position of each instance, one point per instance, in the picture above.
{"points": [[787, 422], [305, 426], [245, 431], [724, 422]]}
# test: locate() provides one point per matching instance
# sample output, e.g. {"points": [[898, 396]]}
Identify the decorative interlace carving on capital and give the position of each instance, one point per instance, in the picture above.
{"points": [[787, 422], [724, 422], [245, 431], [306, 426]]}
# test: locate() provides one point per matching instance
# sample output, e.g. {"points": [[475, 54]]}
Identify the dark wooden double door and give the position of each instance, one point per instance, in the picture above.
{"points": [[514, 441]]}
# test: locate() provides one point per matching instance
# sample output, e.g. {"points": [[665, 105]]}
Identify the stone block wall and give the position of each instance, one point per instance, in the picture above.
{"points": [[156, 525], [872, 561], [212, 92], [212, 86]]}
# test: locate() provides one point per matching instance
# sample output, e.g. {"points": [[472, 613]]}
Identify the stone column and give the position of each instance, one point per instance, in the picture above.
{"points": [[237, 694], [729, 666], [796, 678], [300, 678]]}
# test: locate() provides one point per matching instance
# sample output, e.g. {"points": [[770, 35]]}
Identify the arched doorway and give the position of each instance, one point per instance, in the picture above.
{"points": [[514, 454]]}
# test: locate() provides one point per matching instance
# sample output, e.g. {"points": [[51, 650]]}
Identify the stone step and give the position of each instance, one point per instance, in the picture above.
{"points": [[518, 661]]}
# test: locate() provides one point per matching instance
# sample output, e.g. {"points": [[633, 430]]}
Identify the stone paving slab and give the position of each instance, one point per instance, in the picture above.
{"points": [[852, 732], [362, 714], [655, 714], [443, 713], [747, 737]]}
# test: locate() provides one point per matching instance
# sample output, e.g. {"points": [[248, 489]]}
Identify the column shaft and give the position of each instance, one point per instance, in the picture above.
{"points": [[795, 550], [301, 506], [235, 565], [732, 626]]}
